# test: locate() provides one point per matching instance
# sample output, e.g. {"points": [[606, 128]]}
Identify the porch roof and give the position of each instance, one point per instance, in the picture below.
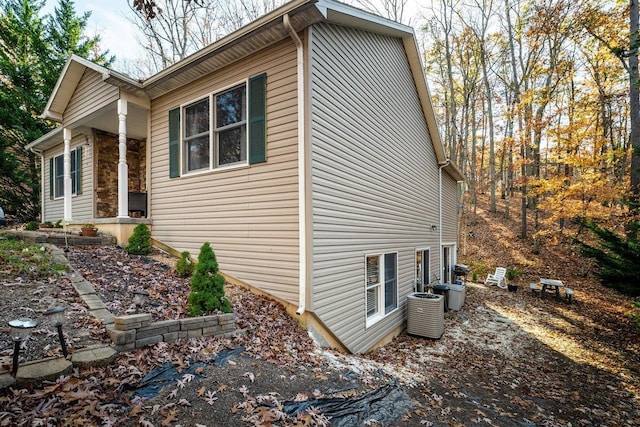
{"points": [[251, 38]]}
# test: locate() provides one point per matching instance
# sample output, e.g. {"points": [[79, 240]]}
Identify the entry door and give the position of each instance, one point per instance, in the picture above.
{"points": [[447, 274], [422, 268]]}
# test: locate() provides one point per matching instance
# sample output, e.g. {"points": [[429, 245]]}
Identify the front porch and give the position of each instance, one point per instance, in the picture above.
{"points": [[95, 165], [119, 228]]}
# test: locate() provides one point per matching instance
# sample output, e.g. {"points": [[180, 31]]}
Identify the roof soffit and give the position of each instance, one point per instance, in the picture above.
{"points": [[252, 38]]}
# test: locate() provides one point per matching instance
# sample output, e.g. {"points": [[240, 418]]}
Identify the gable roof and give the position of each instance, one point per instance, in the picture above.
{"points": [[257, 35], [69, 78]]}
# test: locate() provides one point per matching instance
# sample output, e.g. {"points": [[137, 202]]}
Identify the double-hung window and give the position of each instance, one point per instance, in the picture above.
{"points": [[231, 126], [196, 136], [222, 129], [57, 173], [381, 285], [229, 130]]}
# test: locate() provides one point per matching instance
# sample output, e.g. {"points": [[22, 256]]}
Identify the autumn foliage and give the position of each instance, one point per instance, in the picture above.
{"points": [[207, 286]]}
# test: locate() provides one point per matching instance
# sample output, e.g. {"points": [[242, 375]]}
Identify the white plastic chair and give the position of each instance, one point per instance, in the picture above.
{"points": [[498, 278]]}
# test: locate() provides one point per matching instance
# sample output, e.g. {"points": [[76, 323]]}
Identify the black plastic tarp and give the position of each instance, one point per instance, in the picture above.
{"points": [[385, 405], [163, 376], [168, 373]]}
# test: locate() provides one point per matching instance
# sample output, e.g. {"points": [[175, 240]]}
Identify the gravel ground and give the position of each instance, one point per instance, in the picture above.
{"points": [[505, 359], [114, 274]]}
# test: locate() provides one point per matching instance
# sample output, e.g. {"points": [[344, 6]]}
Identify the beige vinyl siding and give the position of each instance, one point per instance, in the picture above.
{"points": [[53, 208], [449, 209], [248, 214], [374, 176], [81, 205], [90, 95]]}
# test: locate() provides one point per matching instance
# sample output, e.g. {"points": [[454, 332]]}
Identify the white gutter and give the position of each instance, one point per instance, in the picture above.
{"points": [[442, 166], [302, 195]]}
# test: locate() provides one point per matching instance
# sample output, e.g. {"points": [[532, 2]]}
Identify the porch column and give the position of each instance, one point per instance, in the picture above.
{"points": [[66, 136], [123, 168]]}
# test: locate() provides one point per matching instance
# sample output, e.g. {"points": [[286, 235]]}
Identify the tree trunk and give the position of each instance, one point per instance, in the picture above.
{"points": [[492, 160], [634, 105]]}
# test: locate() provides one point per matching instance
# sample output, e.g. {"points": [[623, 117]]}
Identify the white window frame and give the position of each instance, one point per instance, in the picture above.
{"points": [[74, 175], [447, 268], [419, 274], [378, 286], [242, 125], [185, 140], [213, 132]]}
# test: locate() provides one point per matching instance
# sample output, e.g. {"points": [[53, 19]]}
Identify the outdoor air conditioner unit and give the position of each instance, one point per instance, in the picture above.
{"points": [[425, 314]]}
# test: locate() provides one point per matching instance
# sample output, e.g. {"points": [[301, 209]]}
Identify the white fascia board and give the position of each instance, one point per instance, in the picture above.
{"points": [[70, 76], [340, 13], [274, 15], [55, 134]]}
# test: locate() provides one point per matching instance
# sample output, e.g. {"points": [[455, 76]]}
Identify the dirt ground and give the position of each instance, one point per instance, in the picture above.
{"points": [[505, 359]]}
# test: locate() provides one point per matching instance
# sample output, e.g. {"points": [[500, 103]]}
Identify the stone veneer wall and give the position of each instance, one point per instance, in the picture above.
{"points": [[136, 330], [106, 170]]}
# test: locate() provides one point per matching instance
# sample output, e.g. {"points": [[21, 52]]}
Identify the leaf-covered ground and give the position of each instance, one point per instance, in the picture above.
{"points": [[505, 359]]}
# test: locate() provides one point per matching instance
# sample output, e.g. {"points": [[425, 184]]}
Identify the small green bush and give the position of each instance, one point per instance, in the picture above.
{"points": [[185, 266], [479, 268], [32, 226], [140, 241], [514, 273], [58, 224], [207, 286]]}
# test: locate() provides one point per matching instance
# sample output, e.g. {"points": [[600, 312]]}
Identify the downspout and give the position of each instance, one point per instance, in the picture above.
{"points": [[442, 166], [302, 195]]}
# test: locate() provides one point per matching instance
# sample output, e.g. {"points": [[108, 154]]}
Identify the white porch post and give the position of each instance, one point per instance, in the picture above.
{"points": [[66, 135], [123, 168]]}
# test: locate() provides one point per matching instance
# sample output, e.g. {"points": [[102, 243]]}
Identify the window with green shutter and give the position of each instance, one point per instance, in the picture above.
{"points": [[51, 178], [223, 129], [56, 174], [257, 119], [174, 143]]}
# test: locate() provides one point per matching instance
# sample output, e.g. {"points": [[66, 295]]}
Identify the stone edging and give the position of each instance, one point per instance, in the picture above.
{"points": [[126, 332], [136, 330]]}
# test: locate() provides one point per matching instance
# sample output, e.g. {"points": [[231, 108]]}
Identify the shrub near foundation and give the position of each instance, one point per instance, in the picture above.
{"points": [[207, 286], [140, 241], [184, 266]]}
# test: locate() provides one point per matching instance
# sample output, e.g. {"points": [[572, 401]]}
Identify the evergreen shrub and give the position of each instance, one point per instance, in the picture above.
{"points": [[185, 266], [140, 241], [617, 257], [207, 286]]}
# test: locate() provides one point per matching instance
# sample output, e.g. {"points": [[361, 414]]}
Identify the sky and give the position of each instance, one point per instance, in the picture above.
{"points": [[109, 20]]}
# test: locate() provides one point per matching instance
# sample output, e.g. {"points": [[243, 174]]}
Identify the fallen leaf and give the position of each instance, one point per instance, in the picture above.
{"points": [[171, 417]]}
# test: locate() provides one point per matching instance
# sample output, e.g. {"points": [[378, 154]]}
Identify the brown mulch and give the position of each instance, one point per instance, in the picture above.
{"points": [[505, 358]]}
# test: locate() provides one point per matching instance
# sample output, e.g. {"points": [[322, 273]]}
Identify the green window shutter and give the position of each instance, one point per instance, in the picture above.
{"points": [[51, 178], [79, 170], [174, 143], [257, 119]]}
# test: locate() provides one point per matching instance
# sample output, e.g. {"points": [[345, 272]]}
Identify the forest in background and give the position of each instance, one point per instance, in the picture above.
{"points": [[533, 97]]}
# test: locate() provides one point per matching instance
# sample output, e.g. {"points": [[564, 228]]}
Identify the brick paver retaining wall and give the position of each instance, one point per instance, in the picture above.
{"points": [[137, 330]]}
